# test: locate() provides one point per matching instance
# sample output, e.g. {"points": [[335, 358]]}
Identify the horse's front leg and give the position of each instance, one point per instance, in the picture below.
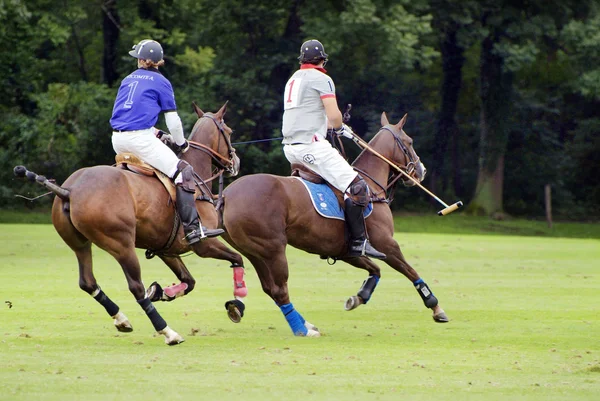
{"points": [[366, 290], [396, 260], [381, 231], [187, 282], [215, 249], [131, 267]]}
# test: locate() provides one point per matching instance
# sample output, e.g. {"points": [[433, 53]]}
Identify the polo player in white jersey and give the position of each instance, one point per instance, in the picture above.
{"points": [[310, 105]]}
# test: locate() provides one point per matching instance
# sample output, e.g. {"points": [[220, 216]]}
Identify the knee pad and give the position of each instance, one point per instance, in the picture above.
{"points": [[187, 176], [359, 192]]}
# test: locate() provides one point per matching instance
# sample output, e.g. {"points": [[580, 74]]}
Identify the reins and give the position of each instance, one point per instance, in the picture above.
{"points": [[398, 171], [222, 161]]}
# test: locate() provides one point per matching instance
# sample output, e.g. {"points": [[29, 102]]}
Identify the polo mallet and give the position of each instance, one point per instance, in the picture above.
{"points": [[447, 209]]}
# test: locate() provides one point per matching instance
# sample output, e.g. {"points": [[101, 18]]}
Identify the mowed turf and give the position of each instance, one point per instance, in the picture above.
{"points": [[524, 325]]}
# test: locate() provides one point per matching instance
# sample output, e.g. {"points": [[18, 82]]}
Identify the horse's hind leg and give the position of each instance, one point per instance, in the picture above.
{"points": [[83, 251], [273, 274], [368, 286], [87, 282]]}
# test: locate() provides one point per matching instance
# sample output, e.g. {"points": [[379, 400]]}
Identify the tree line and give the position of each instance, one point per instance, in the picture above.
{"points": [[501, 95]]}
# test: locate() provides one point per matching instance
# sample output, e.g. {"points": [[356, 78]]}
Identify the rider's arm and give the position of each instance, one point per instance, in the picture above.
{"points": [[334, 115], [175, 127]]}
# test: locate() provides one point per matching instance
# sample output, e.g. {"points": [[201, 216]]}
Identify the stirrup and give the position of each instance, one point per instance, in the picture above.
{"points": [[195, 236], [210, 232], [364, 249]]}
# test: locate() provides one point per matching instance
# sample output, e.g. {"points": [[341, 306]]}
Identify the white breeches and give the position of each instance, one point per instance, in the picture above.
{"points": [[145, 145], [323, 159]]}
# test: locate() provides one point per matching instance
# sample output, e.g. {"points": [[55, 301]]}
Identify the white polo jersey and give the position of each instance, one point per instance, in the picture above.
{"points": [[304, 114]]}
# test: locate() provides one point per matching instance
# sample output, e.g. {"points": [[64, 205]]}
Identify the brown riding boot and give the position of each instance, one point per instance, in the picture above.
{"points": [[359, 244], [186, 206]]}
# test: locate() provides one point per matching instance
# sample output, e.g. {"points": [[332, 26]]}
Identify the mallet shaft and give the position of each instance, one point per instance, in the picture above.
{"points": [[447, 209]]}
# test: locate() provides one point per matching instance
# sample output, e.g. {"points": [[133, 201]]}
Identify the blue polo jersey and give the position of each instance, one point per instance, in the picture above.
{"points": [[142, 96]]}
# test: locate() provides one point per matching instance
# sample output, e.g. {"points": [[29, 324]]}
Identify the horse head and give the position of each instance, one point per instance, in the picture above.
{"points": [[212, 135], [399, 148]]}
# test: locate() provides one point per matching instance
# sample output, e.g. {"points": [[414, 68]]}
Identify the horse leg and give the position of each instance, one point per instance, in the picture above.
{"points": [[215, 249], [273, 274], [396, 260], [381, 233], [156, 293], [83, 251], [87, 282], [368, 286], [131, 267]]}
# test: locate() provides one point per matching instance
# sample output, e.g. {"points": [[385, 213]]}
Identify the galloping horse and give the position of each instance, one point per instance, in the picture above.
{"points": [[264, 213], [120, 210]]}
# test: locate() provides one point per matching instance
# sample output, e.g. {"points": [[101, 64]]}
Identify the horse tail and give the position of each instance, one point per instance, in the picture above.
{"points": [[22, 172]]}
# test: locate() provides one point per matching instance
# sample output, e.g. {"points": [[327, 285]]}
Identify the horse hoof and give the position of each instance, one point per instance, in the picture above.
{"points": [[122, 323], [310, 326], [174, 341], [353, 302], [154, 292], [441, 317], [171, 336], [235, 310], [313, 333]]}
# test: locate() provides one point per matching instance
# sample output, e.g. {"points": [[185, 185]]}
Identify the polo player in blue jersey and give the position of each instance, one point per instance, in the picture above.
{"points": [[142, 96]]}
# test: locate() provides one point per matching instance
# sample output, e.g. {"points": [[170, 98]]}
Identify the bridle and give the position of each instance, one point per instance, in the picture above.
{"points": [[394, 176], [224, 163]]}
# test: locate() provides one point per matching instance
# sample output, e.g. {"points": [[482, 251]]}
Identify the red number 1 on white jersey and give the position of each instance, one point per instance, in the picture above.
{"points": [[291, 94]]}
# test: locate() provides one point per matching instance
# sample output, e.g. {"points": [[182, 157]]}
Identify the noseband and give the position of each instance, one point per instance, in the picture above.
{"points": [[223, 162]]}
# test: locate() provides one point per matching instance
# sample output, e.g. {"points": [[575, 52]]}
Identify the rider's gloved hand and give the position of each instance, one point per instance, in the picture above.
{"points": [[345, 131], [181, 148], [165, 138]]}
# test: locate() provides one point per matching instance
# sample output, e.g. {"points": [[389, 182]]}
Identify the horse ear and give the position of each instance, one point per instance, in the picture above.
{"points": [[401, 122], [384, 120], [222, 110], [198, 111]]}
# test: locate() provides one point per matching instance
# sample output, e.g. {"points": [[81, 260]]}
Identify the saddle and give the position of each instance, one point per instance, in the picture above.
{"points": [[129, 161]]}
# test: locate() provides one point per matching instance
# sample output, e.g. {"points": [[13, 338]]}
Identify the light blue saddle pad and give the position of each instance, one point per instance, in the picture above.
{"points": [[325, 202]]}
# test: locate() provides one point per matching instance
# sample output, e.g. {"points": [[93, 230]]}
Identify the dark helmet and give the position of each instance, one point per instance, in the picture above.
{"points": [[147, 49], [312, 52]]}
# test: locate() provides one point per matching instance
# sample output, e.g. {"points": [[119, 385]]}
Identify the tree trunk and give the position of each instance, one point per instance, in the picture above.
{"points": [[452, 62], [110, 31], [495, 92]]}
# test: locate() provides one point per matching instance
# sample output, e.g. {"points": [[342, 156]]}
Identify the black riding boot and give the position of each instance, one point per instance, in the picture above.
{"points": [[186, 206], [359, 244]]}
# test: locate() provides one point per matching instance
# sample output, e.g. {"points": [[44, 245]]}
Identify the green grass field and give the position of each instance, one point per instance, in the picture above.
{"points": [[524, 324]]}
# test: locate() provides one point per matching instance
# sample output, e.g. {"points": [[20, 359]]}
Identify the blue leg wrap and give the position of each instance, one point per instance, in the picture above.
{"points": [[294, 319], [367, 288]]}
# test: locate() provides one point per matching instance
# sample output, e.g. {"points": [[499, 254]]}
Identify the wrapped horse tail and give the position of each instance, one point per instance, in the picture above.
{"points": [[22, 172]]}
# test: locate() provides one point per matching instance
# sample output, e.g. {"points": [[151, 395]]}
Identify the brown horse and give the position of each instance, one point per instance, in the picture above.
{"points": [[120, 210], [264, 213]]}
